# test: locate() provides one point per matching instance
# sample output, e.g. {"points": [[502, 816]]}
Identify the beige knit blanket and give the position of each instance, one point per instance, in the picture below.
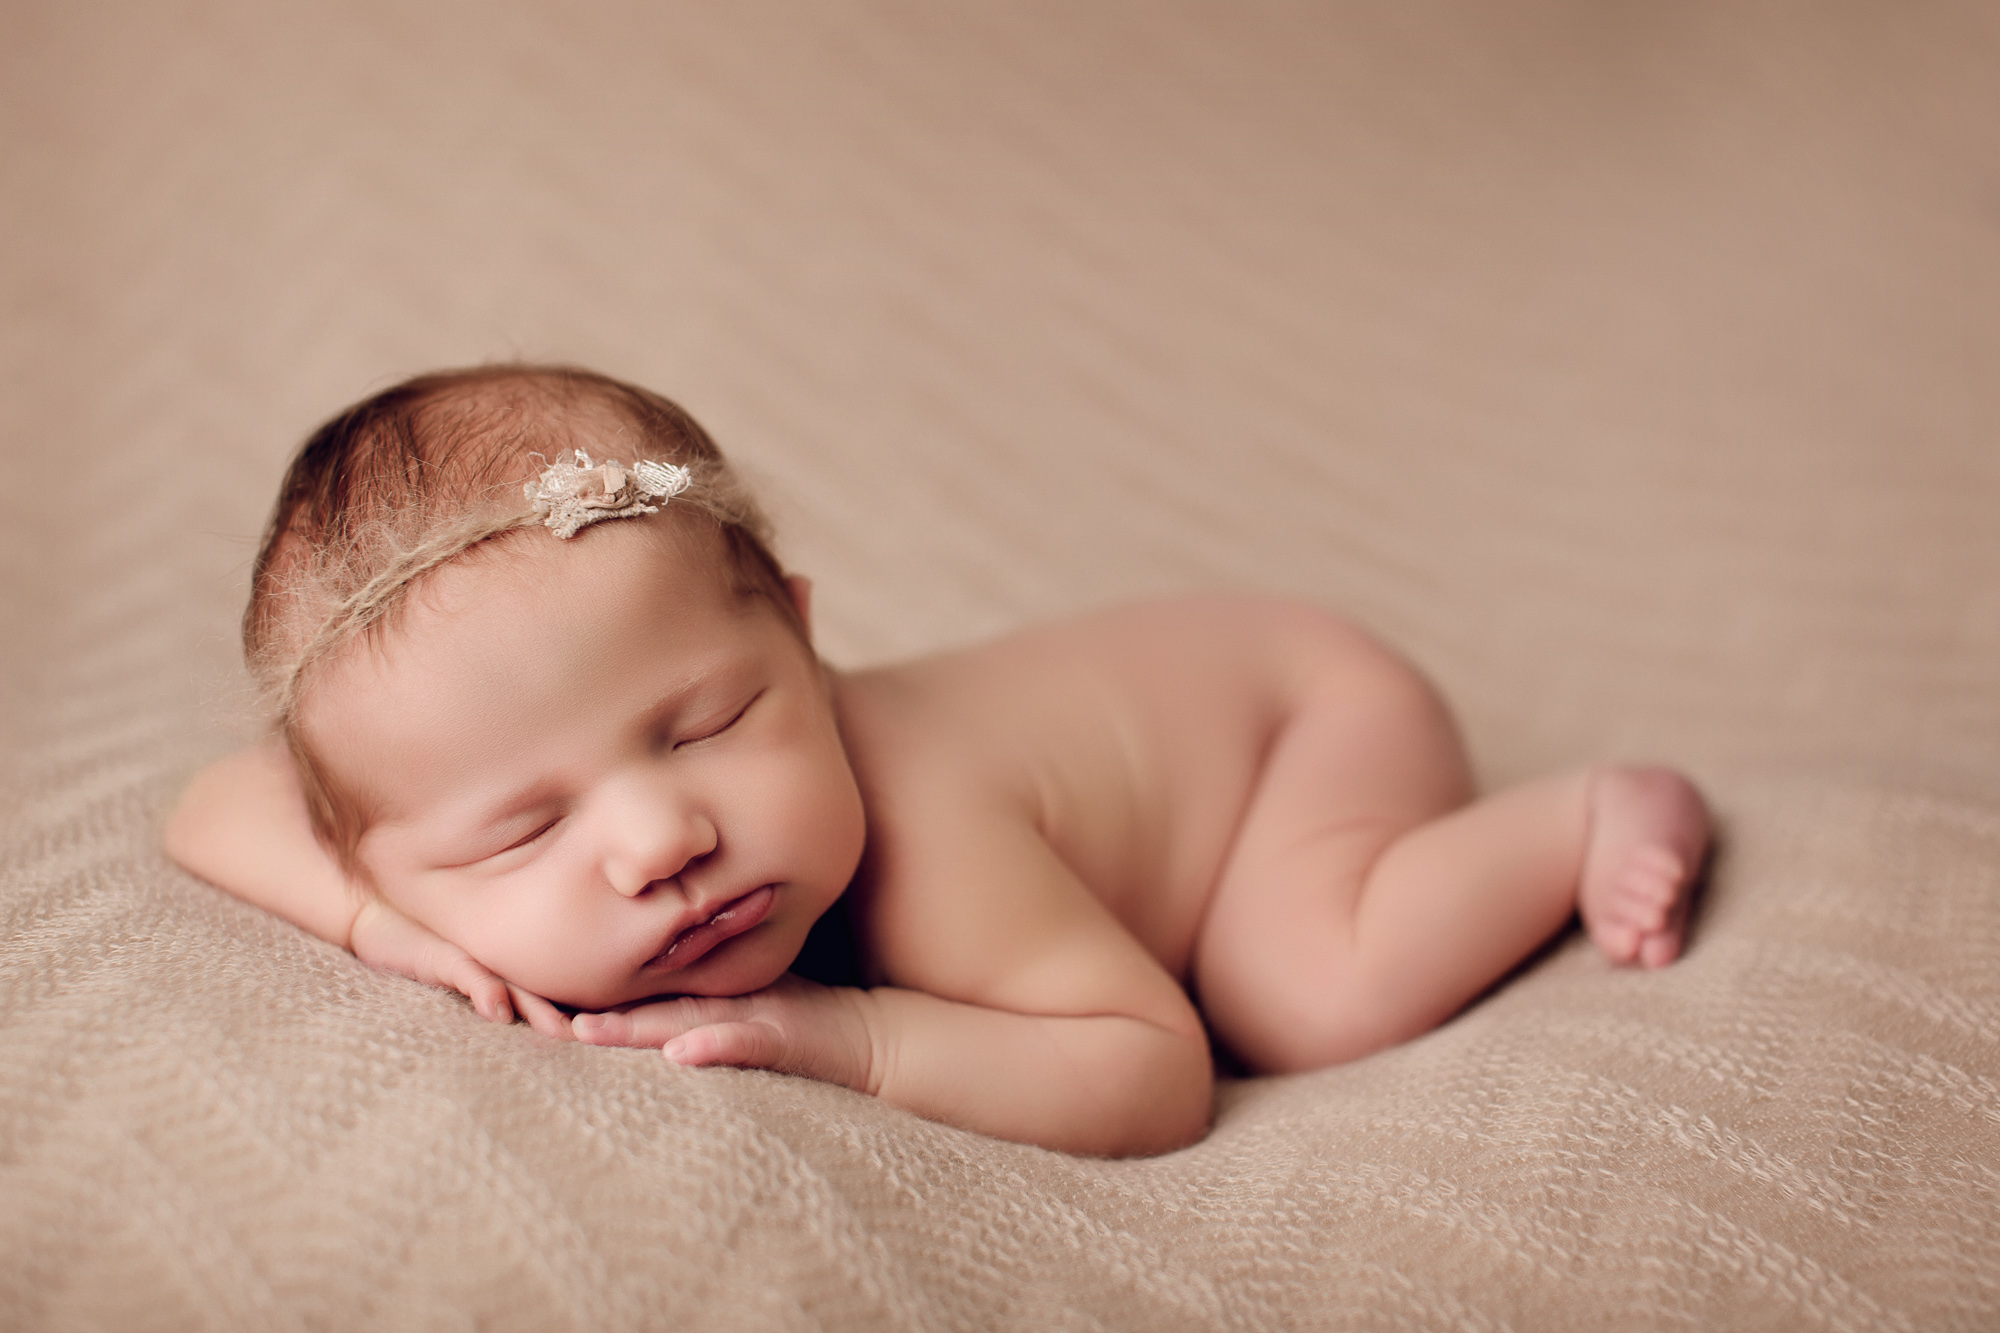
{"points": [[1636, 368]]}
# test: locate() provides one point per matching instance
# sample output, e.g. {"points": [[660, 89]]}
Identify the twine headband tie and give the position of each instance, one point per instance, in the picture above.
{"points": [[570, 494]]}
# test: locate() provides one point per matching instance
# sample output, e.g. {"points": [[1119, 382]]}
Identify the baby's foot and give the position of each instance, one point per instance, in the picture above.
{"points": [[1648, 835]]}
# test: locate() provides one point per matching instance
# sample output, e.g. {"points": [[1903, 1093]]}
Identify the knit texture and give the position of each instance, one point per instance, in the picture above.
{"points": [[1630, 367]]}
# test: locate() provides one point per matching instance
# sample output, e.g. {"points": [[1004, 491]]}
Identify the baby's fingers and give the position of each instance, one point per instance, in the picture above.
{"points": [[746, 1045], [489, 998], [648, 1025], [542, 1016], [436, 963], [487, 992]]}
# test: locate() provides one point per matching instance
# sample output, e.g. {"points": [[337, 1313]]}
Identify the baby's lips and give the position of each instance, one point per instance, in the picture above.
{"points": [[735, 918]]}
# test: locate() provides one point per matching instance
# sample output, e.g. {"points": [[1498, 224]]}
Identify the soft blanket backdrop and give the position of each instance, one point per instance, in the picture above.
{"points": [[1635, 367]]}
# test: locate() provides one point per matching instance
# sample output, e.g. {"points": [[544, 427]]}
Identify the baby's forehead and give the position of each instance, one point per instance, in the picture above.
{"points": [[533, 562], [606, 595]]}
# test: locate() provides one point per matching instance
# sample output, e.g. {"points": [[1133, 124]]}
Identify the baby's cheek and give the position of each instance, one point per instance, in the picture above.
{"points": [[844, 822], [524, 939], [822, 802], [485, 925]]}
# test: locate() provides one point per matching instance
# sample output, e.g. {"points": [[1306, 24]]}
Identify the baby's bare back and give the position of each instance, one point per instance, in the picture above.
{"points": [[1131, 741]]}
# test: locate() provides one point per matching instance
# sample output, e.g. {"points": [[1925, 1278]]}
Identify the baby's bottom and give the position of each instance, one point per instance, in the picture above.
{"points": [[1366, 901]]}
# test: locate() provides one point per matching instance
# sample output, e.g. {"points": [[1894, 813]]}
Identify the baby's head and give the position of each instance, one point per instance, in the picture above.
{"points": [[606, 765]]}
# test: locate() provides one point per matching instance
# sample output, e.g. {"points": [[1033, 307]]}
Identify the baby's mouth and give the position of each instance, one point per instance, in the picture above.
{"points": [[730, 920]]}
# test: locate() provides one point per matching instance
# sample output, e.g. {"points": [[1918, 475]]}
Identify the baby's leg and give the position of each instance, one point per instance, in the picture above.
{"points": [[1365, 901]]}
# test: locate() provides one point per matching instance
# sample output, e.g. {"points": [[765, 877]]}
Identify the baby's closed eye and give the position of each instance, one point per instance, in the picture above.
{"points": [[531, 839], [504, 846], [717, 724]]}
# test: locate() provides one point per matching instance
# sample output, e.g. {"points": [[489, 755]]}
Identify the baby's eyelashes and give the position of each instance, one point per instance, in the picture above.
{"points": [[536, 836], [711, 732], [530, 840]]}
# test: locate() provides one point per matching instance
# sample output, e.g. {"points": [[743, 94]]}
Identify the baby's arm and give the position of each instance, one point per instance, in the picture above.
{"points": [[1105, 1084], [242, 825], [1024, 1009]]}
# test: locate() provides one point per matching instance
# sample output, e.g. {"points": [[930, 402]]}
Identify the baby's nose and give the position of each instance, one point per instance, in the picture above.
{"points": [[653, 855], [653, 841]]}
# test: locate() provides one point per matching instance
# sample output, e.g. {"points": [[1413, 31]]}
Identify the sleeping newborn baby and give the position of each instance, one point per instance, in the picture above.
{"points": [[551, 732]]}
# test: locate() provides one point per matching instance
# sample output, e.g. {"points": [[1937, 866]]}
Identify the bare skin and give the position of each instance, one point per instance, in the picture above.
{"points": [[1070, 835]]}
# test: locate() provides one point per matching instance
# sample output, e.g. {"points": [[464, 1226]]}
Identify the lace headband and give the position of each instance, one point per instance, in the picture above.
{"points": [[571, 494]]}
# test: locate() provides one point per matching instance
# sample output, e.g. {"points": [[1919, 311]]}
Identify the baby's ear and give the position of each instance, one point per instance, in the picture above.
{"points": [[801, 589]]}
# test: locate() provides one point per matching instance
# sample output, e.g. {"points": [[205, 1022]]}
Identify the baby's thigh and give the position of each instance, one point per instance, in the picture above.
{"points": [[1362, 758]]}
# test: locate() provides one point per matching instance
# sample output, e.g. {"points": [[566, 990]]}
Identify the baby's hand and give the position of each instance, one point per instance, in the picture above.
{"points": [[793, 1026], [385, 938]]}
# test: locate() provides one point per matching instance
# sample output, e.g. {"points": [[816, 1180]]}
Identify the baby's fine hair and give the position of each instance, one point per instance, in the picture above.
{"points": [[412, 478]]}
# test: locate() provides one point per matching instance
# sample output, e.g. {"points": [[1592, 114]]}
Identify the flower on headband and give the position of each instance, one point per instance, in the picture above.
{"points": [[573, 492]]}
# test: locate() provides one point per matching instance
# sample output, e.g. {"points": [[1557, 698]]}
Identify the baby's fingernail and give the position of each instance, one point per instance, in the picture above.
{"points": [[675, 1049], [587, 1025]]}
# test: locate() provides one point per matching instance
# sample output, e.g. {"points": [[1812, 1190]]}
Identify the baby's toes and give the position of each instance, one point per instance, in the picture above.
{"points": [[1644, 915], [1660, 948], [1617, 940], [1655, 873]]}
